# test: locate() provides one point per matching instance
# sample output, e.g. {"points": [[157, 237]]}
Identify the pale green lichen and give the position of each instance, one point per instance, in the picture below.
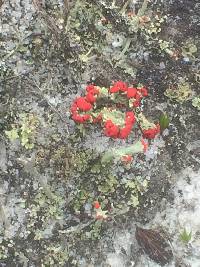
{"points": [[109, 185], [12, 134], [95, 231], [118, 153], [24, 130], [180, 93], [196, 102], [116, 116], [55, 256], [135, 187], [189, 49], [3, 252], [48, 207]]}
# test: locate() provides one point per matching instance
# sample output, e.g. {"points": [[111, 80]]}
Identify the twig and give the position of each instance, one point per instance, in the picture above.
{"points": [[3, 215], [75, 9], [126, 47], [47, 19], [39, 4], [66, 7], [11, 77], [1, 3], [143, 9], [125, 6], [76, 228], [11, 52]]}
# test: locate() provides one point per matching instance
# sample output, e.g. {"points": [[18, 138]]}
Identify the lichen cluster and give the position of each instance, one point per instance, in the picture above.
{"points": [[24, 130], [66, 189]]}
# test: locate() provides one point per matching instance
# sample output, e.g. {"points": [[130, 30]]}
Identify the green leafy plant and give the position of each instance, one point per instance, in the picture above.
{"points": [[185, 236], [164, 122]]}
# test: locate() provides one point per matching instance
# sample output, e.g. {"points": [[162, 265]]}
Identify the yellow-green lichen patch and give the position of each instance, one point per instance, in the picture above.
{"points": [[189, 49], [56, 255], [196, 102], [24, 130], [180, 92], [46, 209]]}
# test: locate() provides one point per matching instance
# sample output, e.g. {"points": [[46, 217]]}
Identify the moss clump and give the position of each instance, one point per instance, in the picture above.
{"points": [[82, 160], [66, 161], [108, 186]]}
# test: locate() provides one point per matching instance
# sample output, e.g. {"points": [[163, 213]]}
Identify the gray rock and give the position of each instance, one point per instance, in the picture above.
{"points": [[3, 157]]}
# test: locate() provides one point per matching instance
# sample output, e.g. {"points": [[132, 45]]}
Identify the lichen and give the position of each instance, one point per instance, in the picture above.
{"points": [[189, 49], [56, 255], [196, 102], [24, 130], [180, 92]]}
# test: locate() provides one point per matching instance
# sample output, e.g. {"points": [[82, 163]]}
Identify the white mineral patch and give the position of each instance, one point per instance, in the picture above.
{"points": [[183, 213]]}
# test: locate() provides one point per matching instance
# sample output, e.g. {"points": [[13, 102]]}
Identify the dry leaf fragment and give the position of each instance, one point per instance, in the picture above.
{"points": [[154, 245]]}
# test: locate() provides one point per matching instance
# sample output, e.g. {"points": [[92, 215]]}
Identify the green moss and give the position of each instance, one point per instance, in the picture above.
{"points": [[108, 188], [80, 161], [68, 162]]}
